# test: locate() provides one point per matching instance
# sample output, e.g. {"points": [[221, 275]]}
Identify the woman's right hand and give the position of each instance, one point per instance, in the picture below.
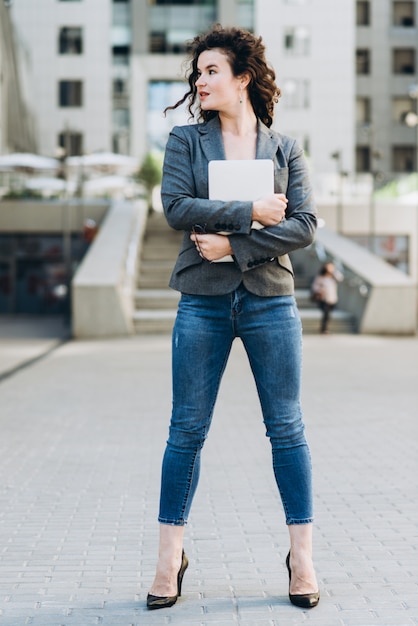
{"points": [[270, 210]]}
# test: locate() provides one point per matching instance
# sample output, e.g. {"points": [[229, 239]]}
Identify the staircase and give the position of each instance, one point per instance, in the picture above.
{"points": [[156, 303]]}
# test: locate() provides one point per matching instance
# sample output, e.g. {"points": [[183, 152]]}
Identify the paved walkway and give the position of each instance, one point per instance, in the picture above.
{"points": [[81, 436]]}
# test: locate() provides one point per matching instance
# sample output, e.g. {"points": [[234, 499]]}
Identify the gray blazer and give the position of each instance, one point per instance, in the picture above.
{"points": [[261, 259]]}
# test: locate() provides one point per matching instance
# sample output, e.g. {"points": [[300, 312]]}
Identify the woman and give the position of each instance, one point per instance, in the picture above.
{"points": [[325, 292], [251, 298]]}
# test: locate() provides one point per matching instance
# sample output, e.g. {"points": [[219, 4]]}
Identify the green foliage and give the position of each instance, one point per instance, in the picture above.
{"points": [[22, 194], [150, 173]]}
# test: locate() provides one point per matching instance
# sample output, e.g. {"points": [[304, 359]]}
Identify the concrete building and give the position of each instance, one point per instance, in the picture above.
{"points": [[105, 69], [386, 87], [17, 128], [69, 42]]}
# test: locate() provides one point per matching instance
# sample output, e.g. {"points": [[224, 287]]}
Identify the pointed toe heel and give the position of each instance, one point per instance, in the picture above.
{"points": [[164, 602], [302, 600]]}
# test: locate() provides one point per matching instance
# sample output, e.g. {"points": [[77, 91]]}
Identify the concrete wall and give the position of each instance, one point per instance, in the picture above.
{"points": [[27, 216], [104, 284]]}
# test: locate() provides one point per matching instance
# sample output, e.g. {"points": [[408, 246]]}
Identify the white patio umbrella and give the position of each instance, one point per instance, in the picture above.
{"points": [[103, 159], [44, 183], [110, 185], [27, 160]]}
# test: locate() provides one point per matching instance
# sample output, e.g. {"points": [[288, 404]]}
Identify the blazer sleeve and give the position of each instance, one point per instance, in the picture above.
{"points": [[184, 190], [297, 230]]}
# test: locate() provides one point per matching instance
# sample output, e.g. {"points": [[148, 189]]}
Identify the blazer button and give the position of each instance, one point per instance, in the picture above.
{"points": [[250, 264], [218, 226], [237, 227], [230, 227]]}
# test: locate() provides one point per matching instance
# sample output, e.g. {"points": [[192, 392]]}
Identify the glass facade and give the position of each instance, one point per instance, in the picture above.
{"points": [[173, 24], [160, 95], [34, 272]]}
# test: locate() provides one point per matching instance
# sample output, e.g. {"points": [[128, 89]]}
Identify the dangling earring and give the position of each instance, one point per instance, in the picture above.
{"points": [[240, 95]]}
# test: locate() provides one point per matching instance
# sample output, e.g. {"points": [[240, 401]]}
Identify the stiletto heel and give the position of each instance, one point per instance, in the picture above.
{"points": [[303, 600], [163, 602]]}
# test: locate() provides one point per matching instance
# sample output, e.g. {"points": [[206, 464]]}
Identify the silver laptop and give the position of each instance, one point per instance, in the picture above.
{"points": [[240, 180]]}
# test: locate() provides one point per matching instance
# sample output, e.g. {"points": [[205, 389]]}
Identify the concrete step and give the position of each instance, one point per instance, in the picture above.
{"points": [[303, 298], [340, 321], [156, 304], [161, 252], [158, 270], [152, 320], [156, 299], [147, 321]]}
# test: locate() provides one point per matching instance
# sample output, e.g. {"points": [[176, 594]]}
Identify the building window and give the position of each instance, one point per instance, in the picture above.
{"points": [[245, 18], [70, 40], [120, 87], [362, 159], [160, 95], [120, 55], [363, 61], [70, 93], [296, 94], [297, 41], [171, 28], [404, 13], [403, 159], [363, 110], [404, 61], [174, 2], [394, 249], [120, 118], [401, 105], [363, 13], [72, 142]]}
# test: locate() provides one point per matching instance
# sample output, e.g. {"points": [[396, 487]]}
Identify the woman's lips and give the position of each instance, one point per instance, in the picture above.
{"points": [[203, 94]]}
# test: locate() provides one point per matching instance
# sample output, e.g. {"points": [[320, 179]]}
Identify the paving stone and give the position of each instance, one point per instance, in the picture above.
{"points": [[82, 435]]}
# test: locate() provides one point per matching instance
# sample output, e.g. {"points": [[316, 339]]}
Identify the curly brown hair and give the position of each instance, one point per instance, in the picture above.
{"points": [[246, 54]]}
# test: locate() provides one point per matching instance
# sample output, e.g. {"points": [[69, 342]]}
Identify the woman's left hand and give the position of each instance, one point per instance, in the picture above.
{"points": [[212, 247]]}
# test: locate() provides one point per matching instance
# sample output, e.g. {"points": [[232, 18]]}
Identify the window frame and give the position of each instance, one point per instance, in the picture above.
{"points": [[67, 52], [76, 98]]}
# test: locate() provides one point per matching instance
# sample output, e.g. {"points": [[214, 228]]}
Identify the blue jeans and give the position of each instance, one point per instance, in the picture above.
{"points": [[270, 330]]}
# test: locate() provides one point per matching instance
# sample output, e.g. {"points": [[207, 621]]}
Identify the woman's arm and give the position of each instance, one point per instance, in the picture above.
{"points": [[296, 231], [182, 175]]}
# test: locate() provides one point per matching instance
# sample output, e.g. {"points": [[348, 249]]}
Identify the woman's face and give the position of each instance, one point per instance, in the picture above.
{"points": [[218, 88]]}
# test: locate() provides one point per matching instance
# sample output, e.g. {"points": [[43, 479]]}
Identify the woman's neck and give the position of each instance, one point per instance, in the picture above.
{"points": [[239, 134], [240, 124]]}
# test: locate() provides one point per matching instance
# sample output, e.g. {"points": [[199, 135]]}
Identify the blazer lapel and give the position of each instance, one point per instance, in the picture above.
{"points": [[267, 142], [211, 140]]}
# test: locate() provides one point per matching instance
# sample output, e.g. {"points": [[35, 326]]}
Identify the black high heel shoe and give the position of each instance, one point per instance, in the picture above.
{"points": [[163, 602], [303, 600]]}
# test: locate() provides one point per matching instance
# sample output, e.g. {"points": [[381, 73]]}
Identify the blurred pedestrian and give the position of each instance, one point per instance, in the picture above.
{"points": [[232, 91], [325, 293]]}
